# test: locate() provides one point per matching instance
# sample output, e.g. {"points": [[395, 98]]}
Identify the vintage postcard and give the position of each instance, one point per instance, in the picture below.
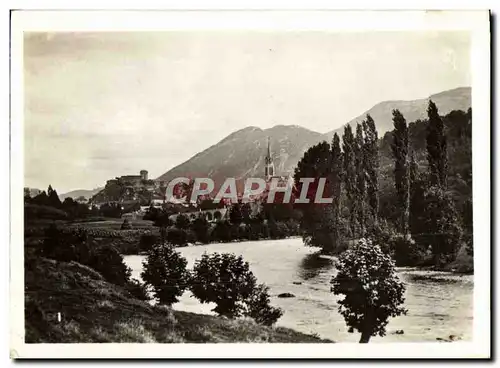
{"points": [[262, 184]]}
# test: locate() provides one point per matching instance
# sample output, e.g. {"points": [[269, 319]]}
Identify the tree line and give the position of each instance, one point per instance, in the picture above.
{"points": [[424, 223]]}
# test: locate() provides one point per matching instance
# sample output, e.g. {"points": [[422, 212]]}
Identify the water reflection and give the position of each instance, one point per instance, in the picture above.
{"points": [[313, 264]]}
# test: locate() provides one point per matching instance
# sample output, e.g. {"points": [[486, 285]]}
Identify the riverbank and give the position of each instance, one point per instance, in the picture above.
{"points": [[71, 303]]}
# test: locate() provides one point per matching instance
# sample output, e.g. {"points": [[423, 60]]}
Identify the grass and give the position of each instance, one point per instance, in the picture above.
{"points": [[93, 310]]}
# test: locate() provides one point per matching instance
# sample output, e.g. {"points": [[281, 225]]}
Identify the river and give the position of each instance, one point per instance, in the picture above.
{"points": [[439, 304]]}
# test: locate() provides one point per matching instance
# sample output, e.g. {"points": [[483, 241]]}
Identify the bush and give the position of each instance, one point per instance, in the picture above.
{"points": [[126, 225], [137, 290], [225, 280], [106, 260], [179, 237], [259, 309], [406, 251], [147, 241], [373, 292], [165, 272]]}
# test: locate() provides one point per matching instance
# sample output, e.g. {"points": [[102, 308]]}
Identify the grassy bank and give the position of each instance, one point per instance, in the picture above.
{"points": [[93, 310]]}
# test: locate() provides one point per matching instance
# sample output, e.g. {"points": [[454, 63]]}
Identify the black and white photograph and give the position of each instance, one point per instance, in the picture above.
{"points": [[249, 179]]}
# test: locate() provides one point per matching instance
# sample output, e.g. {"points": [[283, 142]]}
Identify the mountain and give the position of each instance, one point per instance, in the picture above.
{"points": [[454, 99], [87, 193], [241, 154]]}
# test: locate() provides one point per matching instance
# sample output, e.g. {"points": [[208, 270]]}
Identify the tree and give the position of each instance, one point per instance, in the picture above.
{"points": [[350, 176], [53, 198], [201, 229], [401, 173], [165, 271], [224, 279], [182, 222], [235, 215], [436, 147], [371, 163], [373, 292], [316, 223], [359, 162], [336, 183], [259, 308], [442, 225]]}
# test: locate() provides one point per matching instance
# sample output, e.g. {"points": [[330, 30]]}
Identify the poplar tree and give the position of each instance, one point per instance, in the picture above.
{"points": [[436, 148], [336, 182], [399, 148], [360, 179], [372, 163], [349, 175]]}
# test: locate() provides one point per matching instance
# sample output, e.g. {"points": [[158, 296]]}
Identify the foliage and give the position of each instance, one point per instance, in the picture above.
{"points": [[401, 171], [147, 241], [165, 271], [350, 176], [436, 147], [317, 219], [201, 228], [360, 188], [373, 292], [224, 279], [442, 226], [137, 289], [126, 225], [259, 308], [182, 222], [371, 164], [336, 183]]}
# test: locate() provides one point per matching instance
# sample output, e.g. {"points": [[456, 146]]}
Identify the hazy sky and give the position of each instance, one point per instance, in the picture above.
{"points": [[100, 105]]}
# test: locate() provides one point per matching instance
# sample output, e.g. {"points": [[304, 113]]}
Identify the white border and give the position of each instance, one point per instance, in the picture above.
{"points": [[477, 22]]}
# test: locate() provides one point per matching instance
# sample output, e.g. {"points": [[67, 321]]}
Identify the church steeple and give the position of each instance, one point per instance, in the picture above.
{"points": [[269, 165]]}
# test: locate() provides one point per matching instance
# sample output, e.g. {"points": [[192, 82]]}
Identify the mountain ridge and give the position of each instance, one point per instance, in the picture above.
{"points": [[241, 153]]}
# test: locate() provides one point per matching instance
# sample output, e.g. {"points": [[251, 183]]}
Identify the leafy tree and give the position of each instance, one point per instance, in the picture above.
{"points": [[182, 222], [401, 171], [201, 228], [107, 260], [235, 215], [467, 219], [53, 198], [359, 162], [371, 163], [317, 219], [336, 183], [222, 231], [138, 290], [165, 271], [259, 308], [226, 280], [436, 147], [350, 176], [126, 225], [372, 289], [442, 225]]}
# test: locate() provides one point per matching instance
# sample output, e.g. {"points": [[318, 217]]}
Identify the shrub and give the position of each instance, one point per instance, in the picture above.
{"points": [[126, 225], [440, 227], [259, 309], [137, 289], [225, 280], [177, 236], [373, 292], [165, 272], [106, 260], [406, 251], [201, 228], [147, 241]]}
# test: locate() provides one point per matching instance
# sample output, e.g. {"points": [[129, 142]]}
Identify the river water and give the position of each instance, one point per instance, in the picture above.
{"points": [[439, 304]]}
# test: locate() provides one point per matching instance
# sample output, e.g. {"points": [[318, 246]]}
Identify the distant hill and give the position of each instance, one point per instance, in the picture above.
{"points": [[241, 154], [87, 193], [454, 99]]}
